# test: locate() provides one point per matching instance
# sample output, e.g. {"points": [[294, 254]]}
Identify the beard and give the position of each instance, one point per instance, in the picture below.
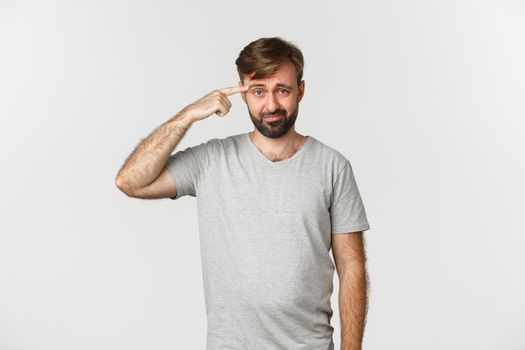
{"points": [[277, 128]]}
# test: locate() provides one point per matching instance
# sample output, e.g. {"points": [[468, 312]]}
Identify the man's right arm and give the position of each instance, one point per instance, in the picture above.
{"points": [[137, 177], [144, 174]]}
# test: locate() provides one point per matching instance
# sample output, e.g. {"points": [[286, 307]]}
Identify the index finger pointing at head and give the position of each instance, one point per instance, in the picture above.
{"points": [[234, 89]]}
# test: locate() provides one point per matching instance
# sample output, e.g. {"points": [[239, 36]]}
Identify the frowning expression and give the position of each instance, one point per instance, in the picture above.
{"points": [[273, 102]]}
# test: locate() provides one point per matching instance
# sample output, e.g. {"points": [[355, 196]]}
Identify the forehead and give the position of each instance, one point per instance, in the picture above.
{"points": [[283, 76]]}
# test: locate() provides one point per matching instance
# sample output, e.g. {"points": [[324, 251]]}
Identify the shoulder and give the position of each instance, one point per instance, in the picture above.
{"points": [[338, 167], [219, 145], [328, 155]]}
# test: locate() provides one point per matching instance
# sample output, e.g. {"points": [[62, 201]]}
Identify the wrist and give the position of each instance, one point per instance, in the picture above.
{"points": [[183, 120]]}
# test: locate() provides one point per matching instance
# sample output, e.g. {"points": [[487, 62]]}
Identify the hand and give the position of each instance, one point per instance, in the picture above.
{"points": [[215, 102]]}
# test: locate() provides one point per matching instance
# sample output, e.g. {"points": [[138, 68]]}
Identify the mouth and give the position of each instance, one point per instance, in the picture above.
{"points": [[273, 117]]}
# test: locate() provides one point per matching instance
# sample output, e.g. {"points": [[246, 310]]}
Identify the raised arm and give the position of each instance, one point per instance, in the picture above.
{"points": [[144, 165], [143, 175]]}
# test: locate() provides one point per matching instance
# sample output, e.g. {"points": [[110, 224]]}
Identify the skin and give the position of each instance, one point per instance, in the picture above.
{"points": [[278, 94], [145, 176], [350, 261], [278, 140]]}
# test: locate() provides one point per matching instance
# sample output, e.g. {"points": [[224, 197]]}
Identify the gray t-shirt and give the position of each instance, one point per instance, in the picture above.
{"points": [[265, 235]]}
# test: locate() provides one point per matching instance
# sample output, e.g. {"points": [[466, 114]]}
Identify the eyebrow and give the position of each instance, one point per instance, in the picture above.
{"points": [[279, 84]]}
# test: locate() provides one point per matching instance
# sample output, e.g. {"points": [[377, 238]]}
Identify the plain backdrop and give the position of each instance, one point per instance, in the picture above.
{"points": [[425, 98]]}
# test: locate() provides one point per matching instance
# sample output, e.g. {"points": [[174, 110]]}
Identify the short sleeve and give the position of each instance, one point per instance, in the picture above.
{"points": [[186, 168], [347, 212]]}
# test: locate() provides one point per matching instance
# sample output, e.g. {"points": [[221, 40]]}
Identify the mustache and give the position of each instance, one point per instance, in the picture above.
{"points": [[278, 111]]}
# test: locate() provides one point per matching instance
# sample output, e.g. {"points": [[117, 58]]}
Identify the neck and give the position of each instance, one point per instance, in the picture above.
{"points": [[279, 148]]}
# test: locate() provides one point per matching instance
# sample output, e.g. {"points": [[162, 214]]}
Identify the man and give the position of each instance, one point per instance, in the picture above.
{"points": [[271, 203]]}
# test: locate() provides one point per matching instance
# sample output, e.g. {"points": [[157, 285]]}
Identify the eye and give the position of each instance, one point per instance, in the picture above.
{"points": [[283, 91], [257, 91]]}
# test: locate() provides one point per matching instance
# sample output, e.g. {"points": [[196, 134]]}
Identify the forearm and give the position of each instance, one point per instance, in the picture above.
{"points": [[145, 163], [353, 304]]}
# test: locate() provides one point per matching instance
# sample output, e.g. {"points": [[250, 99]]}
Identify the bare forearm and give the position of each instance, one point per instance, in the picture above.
{"points": [[353, 304], [145, 163]]}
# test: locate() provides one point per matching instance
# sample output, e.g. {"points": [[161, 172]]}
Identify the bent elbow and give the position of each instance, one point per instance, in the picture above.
{"points": [[122, 186]]}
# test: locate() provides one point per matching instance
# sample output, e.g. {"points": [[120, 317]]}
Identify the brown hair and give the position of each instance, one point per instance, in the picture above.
{"points": [[264, 55]]}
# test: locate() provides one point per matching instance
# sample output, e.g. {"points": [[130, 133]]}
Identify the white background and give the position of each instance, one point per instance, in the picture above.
{"points": [[425, 98]]}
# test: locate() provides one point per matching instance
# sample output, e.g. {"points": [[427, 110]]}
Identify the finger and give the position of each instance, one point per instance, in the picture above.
{"points": [[223, 101], [226, 101], [221, 111], [234, 89]]}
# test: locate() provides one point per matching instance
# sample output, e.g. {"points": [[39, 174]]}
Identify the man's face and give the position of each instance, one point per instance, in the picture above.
{"points": [[273, 102]]}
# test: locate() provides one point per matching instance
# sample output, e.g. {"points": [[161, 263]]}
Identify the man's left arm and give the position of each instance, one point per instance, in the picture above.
{"points": [[350, 260]]}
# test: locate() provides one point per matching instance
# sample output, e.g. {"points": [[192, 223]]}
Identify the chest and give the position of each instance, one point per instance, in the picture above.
{"points": [[279, 192]]}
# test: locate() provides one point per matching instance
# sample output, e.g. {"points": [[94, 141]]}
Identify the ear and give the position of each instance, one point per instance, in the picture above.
{"points": [[243, 94], [301, 90]]}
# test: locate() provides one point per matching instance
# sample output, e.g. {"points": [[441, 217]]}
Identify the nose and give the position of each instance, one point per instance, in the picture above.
{"points": [[271, 103]]}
